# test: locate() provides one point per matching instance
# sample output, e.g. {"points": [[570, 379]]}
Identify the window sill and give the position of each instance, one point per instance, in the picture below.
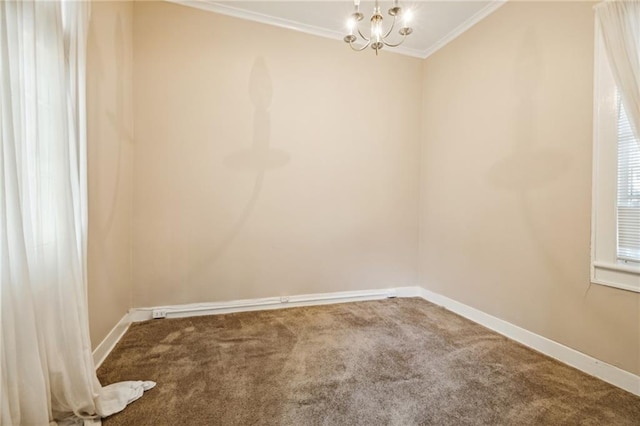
{"points": [[619, 276]]}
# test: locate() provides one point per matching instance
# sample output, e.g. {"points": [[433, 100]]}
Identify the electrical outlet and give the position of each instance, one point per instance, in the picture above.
{"points": [[159, 313]]}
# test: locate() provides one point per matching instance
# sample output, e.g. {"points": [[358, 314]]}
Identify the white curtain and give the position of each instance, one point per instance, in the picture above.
{"points": [[620, 25], [46, 367]]}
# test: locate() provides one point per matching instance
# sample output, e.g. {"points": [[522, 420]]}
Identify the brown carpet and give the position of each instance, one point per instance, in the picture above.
{"points": [[387, 362]]}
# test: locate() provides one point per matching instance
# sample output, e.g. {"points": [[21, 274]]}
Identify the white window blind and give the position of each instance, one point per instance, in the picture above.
{"points": [[615, 243], [628, 197]]}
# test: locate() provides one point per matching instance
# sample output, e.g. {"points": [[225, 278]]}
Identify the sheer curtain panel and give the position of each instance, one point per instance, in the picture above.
{"points": [[46, 367], [620, 25]]}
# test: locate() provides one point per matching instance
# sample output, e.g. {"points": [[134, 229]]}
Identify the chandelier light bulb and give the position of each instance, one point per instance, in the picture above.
{"points": [[351, 24], [375, 30], [407, 16]]}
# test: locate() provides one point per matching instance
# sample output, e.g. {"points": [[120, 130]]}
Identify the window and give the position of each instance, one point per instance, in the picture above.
{"points": [[616, 189], [628, 203]]}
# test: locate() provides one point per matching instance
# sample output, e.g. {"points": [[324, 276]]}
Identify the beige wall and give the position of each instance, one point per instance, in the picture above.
{"points": [[110, 158], [506, 179], [268, 162]]}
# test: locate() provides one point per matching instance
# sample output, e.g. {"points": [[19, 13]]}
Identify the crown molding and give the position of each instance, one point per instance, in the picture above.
{"points": [[463, 27], [226, 9]]}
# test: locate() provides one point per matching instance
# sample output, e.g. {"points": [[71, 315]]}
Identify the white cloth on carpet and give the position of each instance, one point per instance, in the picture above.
{"points": [[115, 397], [111, 400]]}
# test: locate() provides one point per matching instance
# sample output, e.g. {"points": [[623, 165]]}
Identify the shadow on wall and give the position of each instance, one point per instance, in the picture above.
{"points": [[102, 158], [529, 167], [256, 160]]}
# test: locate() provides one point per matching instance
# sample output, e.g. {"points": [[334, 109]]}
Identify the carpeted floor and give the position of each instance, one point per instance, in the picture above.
{"points": [[387, 362]]}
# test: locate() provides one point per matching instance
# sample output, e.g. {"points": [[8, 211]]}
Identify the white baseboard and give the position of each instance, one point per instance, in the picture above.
{"points": [[195, 309], [592, 366], [105, 347]]}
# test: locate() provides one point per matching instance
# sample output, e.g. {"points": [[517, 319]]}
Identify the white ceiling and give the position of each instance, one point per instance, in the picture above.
{"points": [[435, 23]]}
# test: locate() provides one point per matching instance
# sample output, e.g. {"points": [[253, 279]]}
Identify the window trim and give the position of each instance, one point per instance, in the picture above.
{"points": [[606, 269]]}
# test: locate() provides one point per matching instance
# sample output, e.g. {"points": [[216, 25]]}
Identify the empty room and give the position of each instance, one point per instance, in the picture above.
{"points": [[319, 212]]}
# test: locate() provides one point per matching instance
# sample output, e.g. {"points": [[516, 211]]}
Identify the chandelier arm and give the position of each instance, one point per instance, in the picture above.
{"points": [[362, 35], [360, 49], [397, 44], [393, 24]]}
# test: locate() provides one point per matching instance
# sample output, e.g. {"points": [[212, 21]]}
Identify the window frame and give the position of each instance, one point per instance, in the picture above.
{"points": [[606, 268]]}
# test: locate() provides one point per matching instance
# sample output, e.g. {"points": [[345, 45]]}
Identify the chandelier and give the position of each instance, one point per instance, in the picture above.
{"points": [[378, 36]]}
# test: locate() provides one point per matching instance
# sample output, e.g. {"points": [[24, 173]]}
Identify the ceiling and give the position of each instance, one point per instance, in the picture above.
{"points": [[435, 23]]}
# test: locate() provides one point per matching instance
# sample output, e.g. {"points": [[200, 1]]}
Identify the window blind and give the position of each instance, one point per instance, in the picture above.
{"points": [[628, 197]]}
